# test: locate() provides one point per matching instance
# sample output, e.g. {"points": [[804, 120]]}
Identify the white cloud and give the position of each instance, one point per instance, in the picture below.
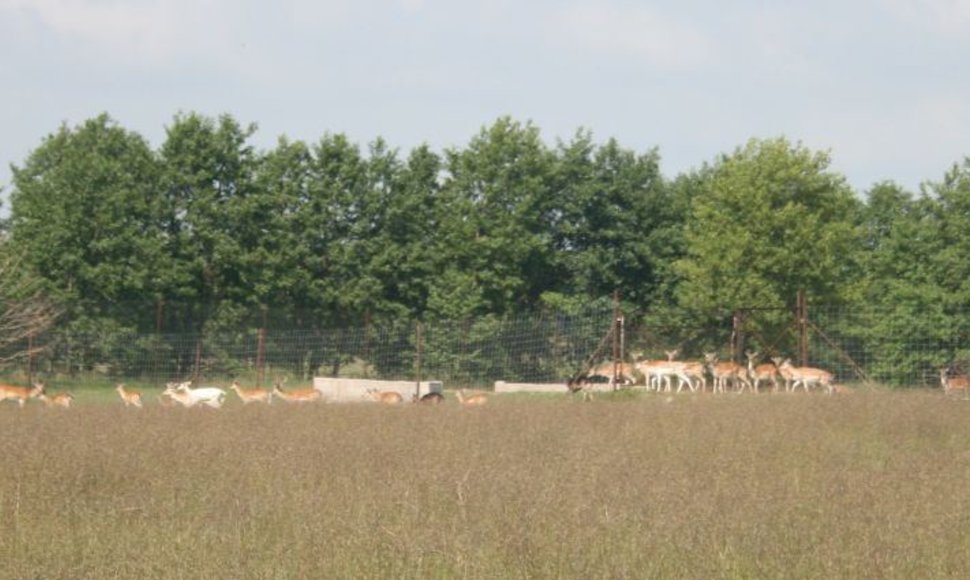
{"points": [[640, 32]]}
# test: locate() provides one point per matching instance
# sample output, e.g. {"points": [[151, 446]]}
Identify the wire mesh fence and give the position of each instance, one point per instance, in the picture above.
{"points": [[897, 348]]}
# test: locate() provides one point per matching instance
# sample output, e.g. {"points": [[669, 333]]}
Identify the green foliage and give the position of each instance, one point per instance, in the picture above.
{"points": [[209, 235], [82, 215], [772, 220]]}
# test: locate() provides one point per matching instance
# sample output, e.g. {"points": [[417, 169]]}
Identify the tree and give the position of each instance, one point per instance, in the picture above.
{"points": [[773, 220], [917, 278], [494, 249], [207, 175], [614, 223], [83, 212]]}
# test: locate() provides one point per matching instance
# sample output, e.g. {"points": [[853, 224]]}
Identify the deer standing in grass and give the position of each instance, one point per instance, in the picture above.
{"points": [[805, 376], [248, 396], [129, 397], [475, 400], [20, 394], [953, 384], [296, 395], [758, 374], [725, 372], [385, 397], [657, 372]]}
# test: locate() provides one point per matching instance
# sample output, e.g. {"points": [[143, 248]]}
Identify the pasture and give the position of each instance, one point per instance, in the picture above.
{"points": [[627, 486]]}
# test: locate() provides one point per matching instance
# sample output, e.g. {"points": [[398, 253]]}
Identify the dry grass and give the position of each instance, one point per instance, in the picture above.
{"points": [[704, 487]]}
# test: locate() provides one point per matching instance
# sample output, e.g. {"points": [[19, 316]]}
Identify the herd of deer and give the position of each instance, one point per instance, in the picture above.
{"points": [[183, 394], [659, 375]]}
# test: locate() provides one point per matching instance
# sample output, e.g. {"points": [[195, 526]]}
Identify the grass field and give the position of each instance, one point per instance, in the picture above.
{"points": [[869, 485]]}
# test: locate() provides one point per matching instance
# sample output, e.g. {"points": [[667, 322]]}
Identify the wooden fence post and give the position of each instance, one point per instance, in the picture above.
{"points": [[419, 344]]}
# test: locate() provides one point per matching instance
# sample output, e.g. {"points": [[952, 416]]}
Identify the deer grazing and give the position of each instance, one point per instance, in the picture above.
{"points": [[765, 372], [384, 397], [432, 398], [475, 400], [805, 376], [955, 383], [20, 394], [129, 397], [248, 396], [183, 394], [725, 372], [296, 395]]}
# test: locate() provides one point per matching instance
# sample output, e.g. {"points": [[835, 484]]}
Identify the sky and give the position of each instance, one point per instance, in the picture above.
{"points": [[882, 85]]}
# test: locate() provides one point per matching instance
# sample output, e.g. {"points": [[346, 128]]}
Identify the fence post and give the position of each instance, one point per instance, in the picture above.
{"points": [[198, 358], [419, 344], [737, 335], [261, 346], [617, 338], [801, 309], [30, 358]]}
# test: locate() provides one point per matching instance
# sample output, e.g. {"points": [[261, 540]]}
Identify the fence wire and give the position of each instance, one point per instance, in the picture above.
{"points": [[897, 348]]}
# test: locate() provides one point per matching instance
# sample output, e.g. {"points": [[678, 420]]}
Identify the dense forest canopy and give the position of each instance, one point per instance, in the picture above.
{"points": [[505, 224]]}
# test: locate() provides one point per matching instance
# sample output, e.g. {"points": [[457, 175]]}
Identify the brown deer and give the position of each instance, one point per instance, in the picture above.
{"points": [[385, 397], [129, 397], [953, 384], [20, 394], [725, 372], [248, 396], [64, 400], [475, 400], [758, 374], [805, 376], [310, 395]]}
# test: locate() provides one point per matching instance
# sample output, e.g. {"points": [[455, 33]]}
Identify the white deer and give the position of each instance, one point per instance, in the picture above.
{"points": [[188, 397]]}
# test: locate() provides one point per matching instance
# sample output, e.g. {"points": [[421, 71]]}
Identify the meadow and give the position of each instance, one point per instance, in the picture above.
{"points": [[869, 485]]}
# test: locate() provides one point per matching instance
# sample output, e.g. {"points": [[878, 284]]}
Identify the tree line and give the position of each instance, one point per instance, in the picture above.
{"points": [[335, 233]]}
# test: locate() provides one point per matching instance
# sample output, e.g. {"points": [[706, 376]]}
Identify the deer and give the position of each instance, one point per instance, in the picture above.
{"points": [[725, 372], [805, 376], [957, 383], [760, 373], [248, 396], [20, 394], [660, 371], [432, 398], [129, 397], [624, 371], [691, 371], [385, 397], [64, 400], [296, 395], [475, 400], [182, 393]]}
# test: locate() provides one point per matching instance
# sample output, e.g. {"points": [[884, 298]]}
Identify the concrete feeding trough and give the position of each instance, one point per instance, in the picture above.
{"points": [[339, 390], [507, 387]]}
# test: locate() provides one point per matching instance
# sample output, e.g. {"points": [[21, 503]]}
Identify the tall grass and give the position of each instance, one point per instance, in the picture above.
{"points": [[703, 487]]}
